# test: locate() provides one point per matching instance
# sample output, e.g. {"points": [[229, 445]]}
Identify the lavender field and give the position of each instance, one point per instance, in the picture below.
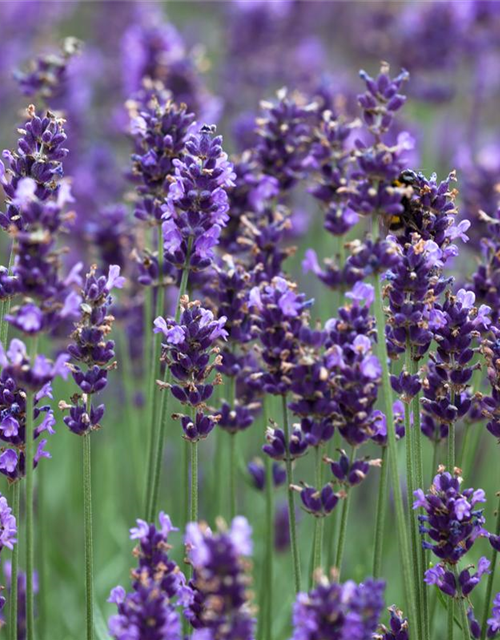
{"points": [[249, 320]]}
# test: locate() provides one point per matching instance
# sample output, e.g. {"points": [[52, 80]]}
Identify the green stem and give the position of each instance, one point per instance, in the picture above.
{"points": [[291, 499], [187, 481], [410, 485], [380, 517], [268, 591], [16, 495], [464, 623], [89, 549], [148, 374], [30, 516], [232, 451], [160, 437], [343, 523], [318, 522], [451, 621], [491, 578], [194, 482], [153, 356], [232, 475], [419, 481], [392, 451]]}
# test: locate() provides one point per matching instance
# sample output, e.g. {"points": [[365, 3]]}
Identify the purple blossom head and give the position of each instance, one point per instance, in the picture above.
{"points": [[382, 99], [188, 347], [338, 611], [156, 582], [197, 202], [452, 521], [219, 582], [8, 525]]}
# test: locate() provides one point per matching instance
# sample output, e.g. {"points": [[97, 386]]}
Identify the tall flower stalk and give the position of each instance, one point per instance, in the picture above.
{"points": [[194, 214], [92, 348]]}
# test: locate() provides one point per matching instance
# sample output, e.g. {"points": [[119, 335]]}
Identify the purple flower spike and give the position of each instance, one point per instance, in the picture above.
{"points": [[156, 582], [318, 502], [333, 610], [188, 347], [219, 576], [453, 522], [197, 202], [8, 525], [92, 348], [398, 626]]}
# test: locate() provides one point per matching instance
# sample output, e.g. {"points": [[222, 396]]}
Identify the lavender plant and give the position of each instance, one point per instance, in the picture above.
{"points": [[367, 381]]}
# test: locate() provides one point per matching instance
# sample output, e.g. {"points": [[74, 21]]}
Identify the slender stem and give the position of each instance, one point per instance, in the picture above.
{"points": [[491, 579], [410, 484], [153, 344], [269, 579], [232, 475], [419, 481], [380, 517], [318, 522], [194, 482], [464, 623], [16, 495], [232, 451], [291, 499], [30, 552], [148, 374], [343, 523], [89, 548], [392, 451], [450, 458], [331, 524], [451, 621], [187, 481], [162, 424]]}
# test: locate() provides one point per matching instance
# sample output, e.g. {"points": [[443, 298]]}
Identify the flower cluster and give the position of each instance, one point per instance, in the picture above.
{"points": [[40, 150], [485, 279], [490, 348], [8, 525], [278, 320], [249, 199], [188, 346], [398, 627], [197, 203], [47, 73], [36, 198], [148, 610], [318, 502], [331, 158], [337, 611], [356, 369], [448, 583], [92, 347], [21, 374], [452, 522], [381, 100], [455, 324], [160, 133], [220, 606], [284, 138], [257, 472]]}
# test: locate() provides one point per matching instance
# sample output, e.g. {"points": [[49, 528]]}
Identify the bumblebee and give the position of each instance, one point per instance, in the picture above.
{"points": [[397, 224]]}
